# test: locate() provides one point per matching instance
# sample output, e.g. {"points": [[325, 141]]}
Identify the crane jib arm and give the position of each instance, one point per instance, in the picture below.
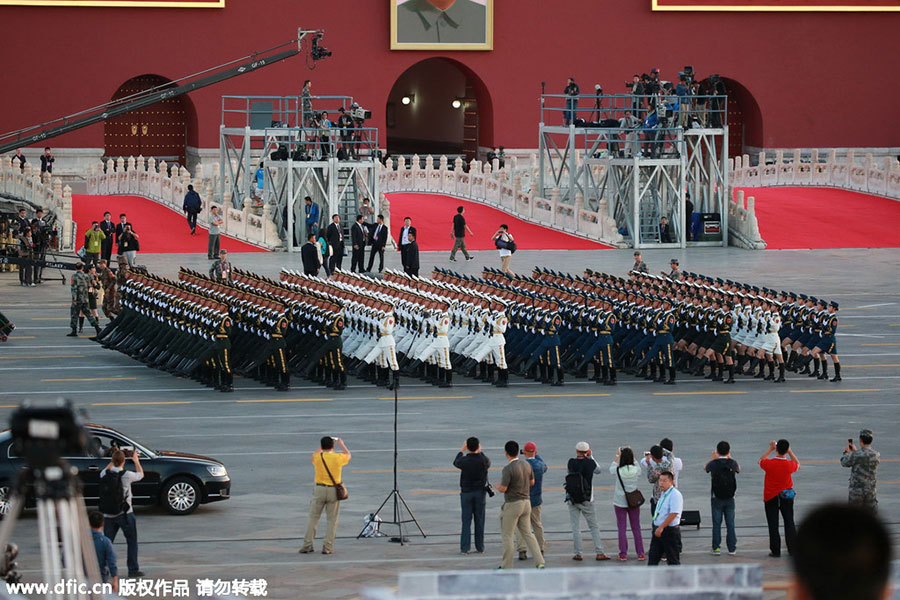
{"points": [[148, 99]]}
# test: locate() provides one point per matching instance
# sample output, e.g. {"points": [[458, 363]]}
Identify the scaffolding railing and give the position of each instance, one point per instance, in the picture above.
{"points": [[601, 110]]}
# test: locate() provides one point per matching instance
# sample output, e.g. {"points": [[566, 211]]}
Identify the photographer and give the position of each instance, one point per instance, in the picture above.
{"points": [[637, 90], [473, 484], [581, 469], [505, 244], [93, 243], [328, 466], [47, 161], [115, 503], [572, 92], [345, 123], [629, 125], [26, 250], [863, 465], [650, 126], [40, 235]]}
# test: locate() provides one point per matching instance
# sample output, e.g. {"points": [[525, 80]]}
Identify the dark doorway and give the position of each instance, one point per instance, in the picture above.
{"points": [[744, 119], [438, 106], [158, 130]]}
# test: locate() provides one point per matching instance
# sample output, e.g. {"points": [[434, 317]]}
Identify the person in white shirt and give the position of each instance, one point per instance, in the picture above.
{"points": [[124, 520], [627, 474], [667, 523]]}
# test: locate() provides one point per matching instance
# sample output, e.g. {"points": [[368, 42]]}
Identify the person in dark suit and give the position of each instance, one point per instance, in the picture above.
{"points": [[379, 241], [311, 257], [412, 256], [688, 217], [120, 229], [335, 238], [358, 236], [665, 232], [403, 241], [109, 229]]}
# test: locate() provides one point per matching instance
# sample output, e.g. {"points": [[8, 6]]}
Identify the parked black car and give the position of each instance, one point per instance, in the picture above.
{"points": [[179, 482]]}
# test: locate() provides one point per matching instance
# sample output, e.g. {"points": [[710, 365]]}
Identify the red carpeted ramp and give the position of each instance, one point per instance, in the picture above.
{"points": [[802, 217], [161, 230], [432, 216]]}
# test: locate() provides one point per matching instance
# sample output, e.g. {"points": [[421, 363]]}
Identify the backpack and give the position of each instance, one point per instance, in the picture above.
{"points": [[112, 494], [724, 483], [576, 490]]}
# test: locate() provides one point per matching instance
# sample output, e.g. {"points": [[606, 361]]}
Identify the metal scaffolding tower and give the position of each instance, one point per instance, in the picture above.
{"points": [[604, 154], [279, 154]]}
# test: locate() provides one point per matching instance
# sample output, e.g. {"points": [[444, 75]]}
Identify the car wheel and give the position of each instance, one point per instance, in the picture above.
{"points": [[181, 496], [5, 500]]}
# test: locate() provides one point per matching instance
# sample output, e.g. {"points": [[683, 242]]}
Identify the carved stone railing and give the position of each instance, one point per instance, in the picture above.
{"points": [[507, 189], [879, 176], [49, 194], [140, 177]]}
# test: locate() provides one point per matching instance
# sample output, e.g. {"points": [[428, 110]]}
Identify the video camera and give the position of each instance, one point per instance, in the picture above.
{"points": [[319, 52], [44, 434], [358, 112]]}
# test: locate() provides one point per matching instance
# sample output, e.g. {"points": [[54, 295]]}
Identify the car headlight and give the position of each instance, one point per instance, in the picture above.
{"points": [[217, 470]]}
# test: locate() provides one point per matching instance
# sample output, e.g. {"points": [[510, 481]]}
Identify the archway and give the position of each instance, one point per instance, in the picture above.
{"points": [[745, 127], [431, 122], [159, 130]]}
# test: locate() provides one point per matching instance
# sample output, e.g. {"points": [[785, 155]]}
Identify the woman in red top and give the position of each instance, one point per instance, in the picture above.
{"points": [[778, 493]]}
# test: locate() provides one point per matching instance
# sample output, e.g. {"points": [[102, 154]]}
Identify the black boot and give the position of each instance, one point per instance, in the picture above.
{"points": [[792, 361], [342, 385], [612, 377], [803, 364], [490, 374], [559, 376], [652, 374], [395, 380], [502, 378], [815, 371], [713, 365], [837, 372], [701, 365], [74, 333], [780, 378], [824, 374], [671, 379], [545, 378], [661, 378], [730, 374], [719, 375], [771, 375]]}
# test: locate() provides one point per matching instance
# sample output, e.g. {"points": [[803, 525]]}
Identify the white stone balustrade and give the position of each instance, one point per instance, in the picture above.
{"points": [[140, 177], [48, 194], [507, 189]]}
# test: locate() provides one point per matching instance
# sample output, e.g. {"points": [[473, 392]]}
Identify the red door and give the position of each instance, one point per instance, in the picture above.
{"points": [[158, 130]]}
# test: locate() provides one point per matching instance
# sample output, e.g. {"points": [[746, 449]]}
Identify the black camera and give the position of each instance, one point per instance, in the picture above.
{"points": [[44, 434], [489, 489], [319, 52]]}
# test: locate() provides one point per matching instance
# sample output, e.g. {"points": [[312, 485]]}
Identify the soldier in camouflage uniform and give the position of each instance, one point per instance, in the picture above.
{"points": [[80, 284], [108, 281], [863, 464]]}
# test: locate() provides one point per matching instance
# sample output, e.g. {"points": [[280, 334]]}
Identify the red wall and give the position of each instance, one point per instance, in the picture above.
{"points": [[820, 79]]}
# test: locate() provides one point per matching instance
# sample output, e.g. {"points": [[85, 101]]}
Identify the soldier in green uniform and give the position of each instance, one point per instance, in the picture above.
{"points": [[80, 284], [863, 465]]}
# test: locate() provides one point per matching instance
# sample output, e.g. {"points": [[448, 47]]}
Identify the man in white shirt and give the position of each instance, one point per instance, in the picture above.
{"points": [[124, 519], [667, 523]]}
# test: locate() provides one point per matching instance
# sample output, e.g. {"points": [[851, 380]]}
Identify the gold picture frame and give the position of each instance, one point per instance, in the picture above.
{"points": [[120, 3], [419, 25], [682, 5]]}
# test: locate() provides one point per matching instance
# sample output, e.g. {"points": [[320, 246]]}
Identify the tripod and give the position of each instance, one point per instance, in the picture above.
{"points": [[67, 548], [395, 494]]}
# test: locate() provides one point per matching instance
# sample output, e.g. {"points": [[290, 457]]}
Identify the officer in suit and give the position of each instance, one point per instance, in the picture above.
{"points": [[404, 239], [358, 235], [379, 241], [120, 228], [311, 256], [335, 238], [412, 256]]}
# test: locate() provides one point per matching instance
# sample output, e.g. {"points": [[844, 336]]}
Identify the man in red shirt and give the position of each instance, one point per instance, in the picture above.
{"points": [[778, 493]]}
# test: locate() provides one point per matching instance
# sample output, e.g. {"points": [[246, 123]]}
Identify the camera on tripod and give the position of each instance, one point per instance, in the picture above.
{"points": [[358, 112], [43, 435]]}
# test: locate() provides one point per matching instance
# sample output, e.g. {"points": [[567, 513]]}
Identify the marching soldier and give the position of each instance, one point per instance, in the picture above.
{"points": [[863, 465], [80, 284], [110, 299]]}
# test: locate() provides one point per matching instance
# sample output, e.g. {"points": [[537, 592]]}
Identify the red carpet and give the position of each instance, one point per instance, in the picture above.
{"points": [[161, 230], [801, 217], [432, 216]]}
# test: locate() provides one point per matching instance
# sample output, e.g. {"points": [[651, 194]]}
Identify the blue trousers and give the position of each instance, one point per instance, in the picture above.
{"points": [[127, 524], [720, 508], [473, 505]]}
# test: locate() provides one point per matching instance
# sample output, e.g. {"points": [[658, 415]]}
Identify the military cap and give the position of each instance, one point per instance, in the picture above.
{"points": [[812, 299], [801, 296], [835, 304], [822, 302], [674, 261], [866, 433], [637, 252]]}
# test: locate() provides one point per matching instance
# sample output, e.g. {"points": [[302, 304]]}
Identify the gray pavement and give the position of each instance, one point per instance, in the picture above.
{"points": [[265, 438]]}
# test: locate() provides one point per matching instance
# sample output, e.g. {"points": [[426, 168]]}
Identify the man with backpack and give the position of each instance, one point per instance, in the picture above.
{"points": [[580, 496], [116, 505], [722, 469]]}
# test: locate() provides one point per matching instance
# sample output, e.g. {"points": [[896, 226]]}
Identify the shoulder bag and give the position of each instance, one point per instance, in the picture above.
{"points": [[339, 488], [632, 499]]}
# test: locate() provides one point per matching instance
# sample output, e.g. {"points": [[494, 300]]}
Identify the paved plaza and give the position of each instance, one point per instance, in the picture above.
{"points": [[265, 437]]}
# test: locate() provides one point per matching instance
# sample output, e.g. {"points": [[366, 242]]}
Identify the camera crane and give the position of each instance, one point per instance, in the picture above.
{"points": [[248, 64]]}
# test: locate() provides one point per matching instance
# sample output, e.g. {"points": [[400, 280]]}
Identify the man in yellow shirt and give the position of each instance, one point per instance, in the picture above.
{"points": [[324, 495]]}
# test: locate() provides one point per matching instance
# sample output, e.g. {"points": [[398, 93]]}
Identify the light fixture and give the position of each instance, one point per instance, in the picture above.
{"points": [[408, 99], [456, 103]]}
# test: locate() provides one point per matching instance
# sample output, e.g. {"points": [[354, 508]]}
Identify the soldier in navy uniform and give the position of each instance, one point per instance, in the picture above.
{"points": [[828, 344]]}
